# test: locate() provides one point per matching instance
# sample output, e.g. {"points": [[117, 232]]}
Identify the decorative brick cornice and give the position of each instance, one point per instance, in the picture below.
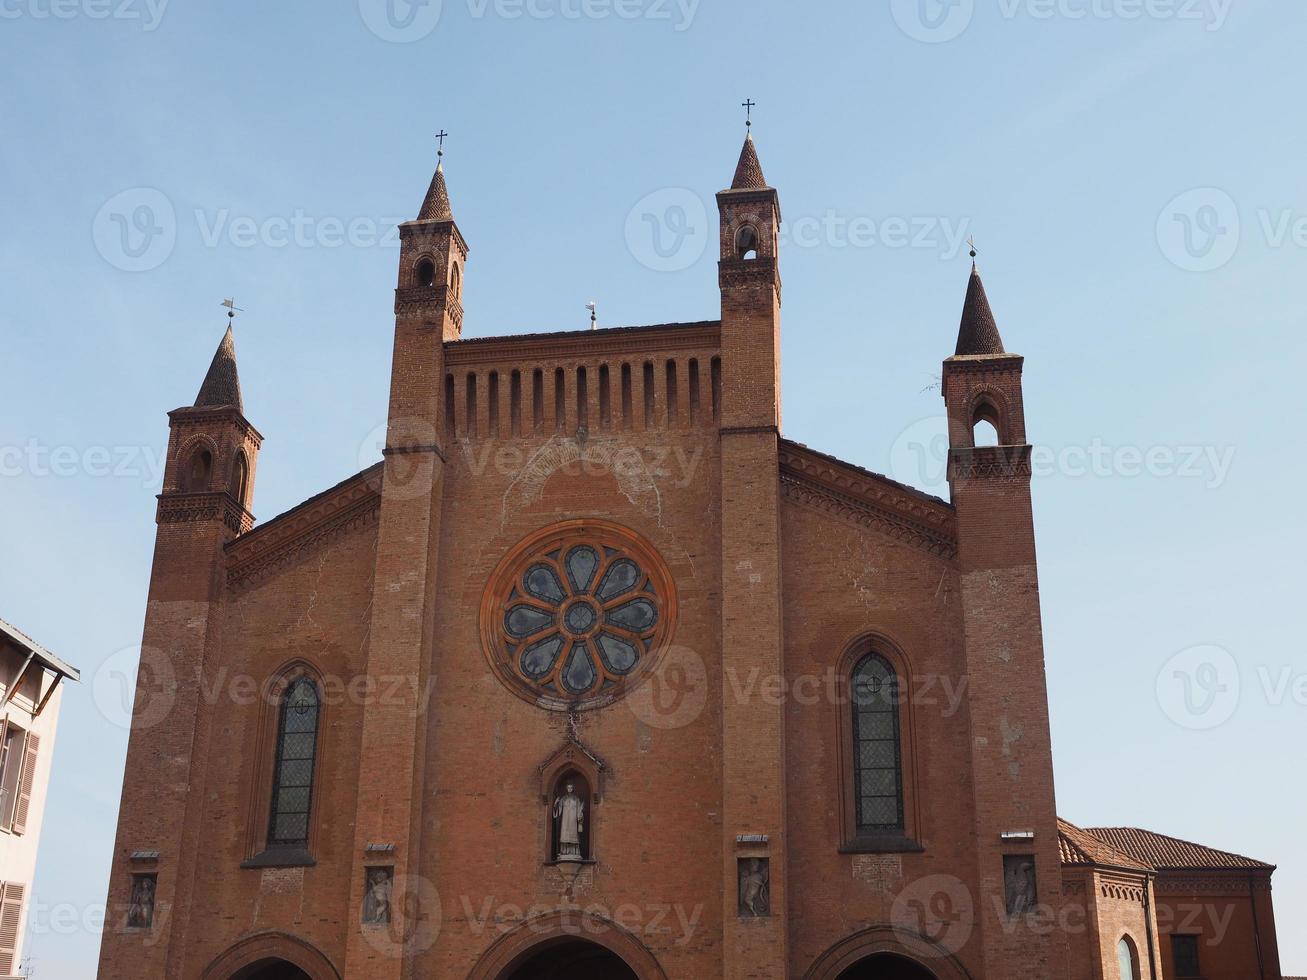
{"points": [[615, 342], [989, 462], [758, 273], [432, 302], [1212, 882], [431, 229], [346, 507], [973, 364], [190, 508], [188, 418], [824, 483]]}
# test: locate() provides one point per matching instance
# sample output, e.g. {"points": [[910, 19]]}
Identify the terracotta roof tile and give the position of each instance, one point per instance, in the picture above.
{"points": [[748, 172], [435, 206], [222, 385], [978, 333], [1080, 848], [1171, 853]]}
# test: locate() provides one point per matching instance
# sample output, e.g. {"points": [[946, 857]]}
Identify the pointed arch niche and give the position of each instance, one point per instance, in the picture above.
{"points": [[572, 763]]}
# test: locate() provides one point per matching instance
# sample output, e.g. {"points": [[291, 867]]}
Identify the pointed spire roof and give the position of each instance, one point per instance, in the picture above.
{"points": [[748, 172], [435, 206], [222, 385], [978, 333]]}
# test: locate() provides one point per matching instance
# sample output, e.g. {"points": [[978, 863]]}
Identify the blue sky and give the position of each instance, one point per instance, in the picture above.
{"points": [[1133, 177]]}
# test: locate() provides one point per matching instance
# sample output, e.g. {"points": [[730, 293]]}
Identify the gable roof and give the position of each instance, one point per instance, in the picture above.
{"points": [[1079, 848], [1173, 854]]}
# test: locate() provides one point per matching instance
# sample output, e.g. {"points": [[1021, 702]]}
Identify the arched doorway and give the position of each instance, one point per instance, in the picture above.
{"points": [[570, 959], [270, 970], [887, 966]]}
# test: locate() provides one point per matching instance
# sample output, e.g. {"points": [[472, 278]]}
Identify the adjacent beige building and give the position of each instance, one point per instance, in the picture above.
{"points": [[30, 692]]}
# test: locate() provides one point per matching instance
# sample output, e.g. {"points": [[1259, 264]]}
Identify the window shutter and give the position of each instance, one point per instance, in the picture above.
{"points": [[25, 783], [11, 916]]}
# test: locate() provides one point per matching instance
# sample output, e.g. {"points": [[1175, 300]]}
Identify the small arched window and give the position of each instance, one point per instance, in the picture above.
{"points": [[1127, 959], [425, 273], [240, 478], [292, 779], [455, 280], [746, 243], [877, 747], [199, 469], [984, 425]]}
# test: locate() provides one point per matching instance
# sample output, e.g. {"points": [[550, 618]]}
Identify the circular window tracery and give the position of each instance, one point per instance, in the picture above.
{"points": [[576, 613]]}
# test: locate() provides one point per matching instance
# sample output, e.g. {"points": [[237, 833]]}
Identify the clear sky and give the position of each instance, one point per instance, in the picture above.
{"points": [[1133, 175]]}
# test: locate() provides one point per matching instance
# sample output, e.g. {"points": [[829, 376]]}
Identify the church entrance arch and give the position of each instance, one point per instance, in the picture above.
{"points": [[271, 970], [887, 966], [570, 959], [567, 946]]}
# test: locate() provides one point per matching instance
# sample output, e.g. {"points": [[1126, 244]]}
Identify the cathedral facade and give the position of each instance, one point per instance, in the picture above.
{"points": [[596, 674]]}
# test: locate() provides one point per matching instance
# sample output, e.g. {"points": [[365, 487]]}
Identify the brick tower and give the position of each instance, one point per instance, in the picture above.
{"points": [[428, 313], [753, 751], [207, 490], [1011, 753]]}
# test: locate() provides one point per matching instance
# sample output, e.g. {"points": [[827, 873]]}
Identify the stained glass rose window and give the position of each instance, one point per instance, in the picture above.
{"points": [[576, 613]]}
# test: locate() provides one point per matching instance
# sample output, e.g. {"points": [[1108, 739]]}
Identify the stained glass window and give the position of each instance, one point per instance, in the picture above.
{"points": [[297, 749], [578, 615], [877, 749]]}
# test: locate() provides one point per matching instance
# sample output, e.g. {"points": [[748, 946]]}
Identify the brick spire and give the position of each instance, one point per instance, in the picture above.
{"points": [[748, 172], [978, 333], [222, 385], [435, 207]]}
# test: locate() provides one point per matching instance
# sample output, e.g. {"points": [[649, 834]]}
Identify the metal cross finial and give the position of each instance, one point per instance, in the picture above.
{"points": [[971, 241], [748, 105], [232, 308], [440, 149]]}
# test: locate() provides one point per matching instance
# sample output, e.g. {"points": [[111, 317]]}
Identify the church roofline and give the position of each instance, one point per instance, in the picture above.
{"points": [[288, 535], [869, 498], [654, 337], [1167, 853]]}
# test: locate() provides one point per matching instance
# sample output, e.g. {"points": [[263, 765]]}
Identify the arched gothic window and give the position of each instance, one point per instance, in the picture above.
{"points": [[240, 478], [425, 273], [877, 747], [746, 242], [198, 471], [292, 779], [1127, 959]]}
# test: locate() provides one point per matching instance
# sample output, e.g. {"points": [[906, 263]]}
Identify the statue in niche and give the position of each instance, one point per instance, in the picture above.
{"points": [[376, 900], [1019, 883], [140, 910], [755, 887], [569, 824]]}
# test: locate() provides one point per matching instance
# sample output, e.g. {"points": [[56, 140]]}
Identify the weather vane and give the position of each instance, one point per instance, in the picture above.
{"points": [[971, 241], [593, 307], [748, 105], [232, 309]]}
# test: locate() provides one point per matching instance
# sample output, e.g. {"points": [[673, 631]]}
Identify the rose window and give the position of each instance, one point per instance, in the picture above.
{"points": [[576, 613]]}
